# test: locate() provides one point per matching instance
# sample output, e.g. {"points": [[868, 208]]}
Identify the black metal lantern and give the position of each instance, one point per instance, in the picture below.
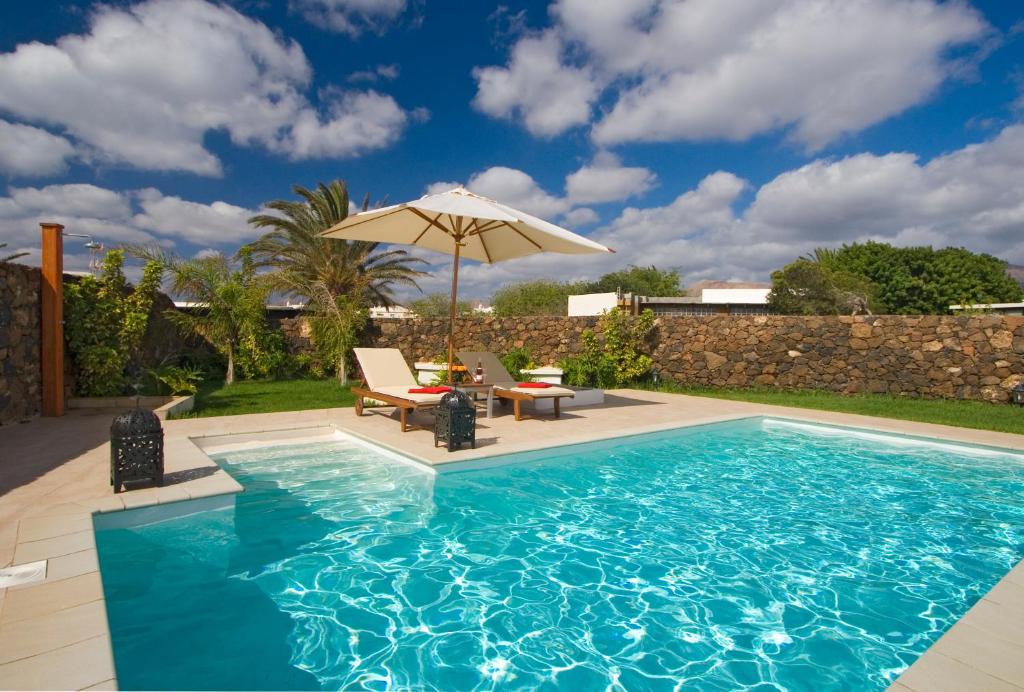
{"points": [[455, 420], [136, 448], [1017, 394]]}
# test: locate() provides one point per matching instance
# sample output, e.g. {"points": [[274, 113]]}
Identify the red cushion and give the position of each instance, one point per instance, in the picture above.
{"points": [[534, 385], [430, 390]]}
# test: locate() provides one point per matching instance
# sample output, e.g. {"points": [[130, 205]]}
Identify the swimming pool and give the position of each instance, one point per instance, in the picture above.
{"points": [[757, 552]]}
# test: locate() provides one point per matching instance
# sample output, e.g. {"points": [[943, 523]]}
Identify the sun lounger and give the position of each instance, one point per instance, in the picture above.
{"points": [[387, 378], [508, 389]]}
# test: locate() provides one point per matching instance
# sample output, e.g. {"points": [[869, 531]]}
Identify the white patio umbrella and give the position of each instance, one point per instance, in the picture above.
{"points": [[462, 224]]}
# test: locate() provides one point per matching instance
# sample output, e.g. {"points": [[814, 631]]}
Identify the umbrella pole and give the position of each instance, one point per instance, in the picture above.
{"points": [[451, 315]]}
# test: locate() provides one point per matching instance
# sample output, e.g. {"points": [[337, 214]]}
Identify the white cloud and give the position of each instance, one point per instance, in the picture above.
{"points": [[604, 179], [359, 122], [27, 151], [351, 17], [116, 218], [178, 219], [147, 84], [732, 69], [581, 216], [548, 96], [517, 189], [607, 180], [972, 197], [380, 72]]}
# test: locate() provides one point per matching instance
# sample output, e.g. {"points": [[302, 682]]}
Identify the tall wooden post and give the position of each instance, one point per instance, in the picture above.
{"points": [[52, 336]]}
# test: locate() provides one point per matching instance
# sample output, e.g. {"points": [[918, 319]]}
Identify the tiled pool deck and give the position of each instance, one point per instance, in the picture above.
{"points": [[54, 476]]}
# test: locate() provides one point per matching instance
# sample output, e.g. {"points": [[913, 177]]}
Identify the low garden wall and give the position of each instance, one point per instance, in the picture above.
{"points": [[20, 373], [930, 356]]}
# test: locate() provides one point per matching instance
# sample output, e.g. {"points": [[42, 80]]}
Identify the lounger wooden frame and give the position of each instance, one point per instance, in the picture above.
{"points": [[404, 406], [517, 398]]}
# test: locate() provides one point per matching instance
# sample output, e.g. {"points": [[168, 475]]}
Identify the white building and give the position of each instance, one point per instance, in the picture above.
{"points": [[393, 312], [712, 301], [993, 308]]}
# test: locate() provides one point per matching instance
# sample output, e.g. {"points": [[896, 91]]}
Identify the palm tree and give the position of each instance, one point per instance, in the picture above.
{"points": [[229, 301], [302, 260], [14, 256]]}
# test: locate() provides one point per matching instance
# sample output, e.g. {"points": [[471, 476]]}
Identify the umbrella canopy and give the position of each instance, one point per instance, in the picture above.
{"points": [[462, 224]]}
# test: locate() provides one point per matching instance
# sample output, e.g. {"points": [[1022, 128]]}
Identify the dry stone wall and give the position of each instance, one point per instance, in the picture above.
{"points": [[928, 356], [20, 384]]}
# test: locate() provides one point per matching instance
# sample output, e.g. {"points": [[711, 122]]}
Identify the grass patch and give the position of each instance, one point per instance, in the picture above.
{"points": [[965, 414], [268, 396]]}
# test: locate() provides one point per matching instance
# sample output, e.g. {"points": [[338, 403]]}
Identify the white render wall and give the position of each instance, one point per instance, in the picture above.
{"points": [[592, 304], [734, 296]]}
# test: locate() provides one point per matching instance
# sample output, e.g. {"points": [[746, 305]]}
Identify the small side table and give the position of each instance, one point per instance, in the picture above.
{"points": [[477, 387]]}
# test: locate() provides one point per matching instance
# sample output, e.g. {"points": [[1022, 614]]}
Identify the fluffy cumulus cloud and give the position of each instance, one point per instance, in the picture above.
{"points": [[116, 218], [537, 87], [607, 180], [731, 69], [351, 17], [971, 197], [27, 151], [147, 83], [604, 179]]}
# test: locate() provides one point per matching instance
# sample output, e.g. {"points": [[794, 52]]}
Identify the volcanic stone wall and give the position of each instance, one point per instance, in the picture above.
{"points": [[930, 356], [20, 374]]}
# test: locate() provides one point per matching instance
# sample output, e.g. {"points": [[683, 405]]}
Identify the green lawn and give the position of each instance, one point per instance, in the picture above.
{"points": [[965, 414], [215, 399], [264, 396]]}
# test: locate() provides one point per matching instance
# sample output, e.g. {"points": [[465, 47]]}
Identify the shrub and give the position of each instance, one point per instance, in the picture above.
{"points": [[620, 360], [516, 361], [104, 323], [178, 379], [261, 353]]}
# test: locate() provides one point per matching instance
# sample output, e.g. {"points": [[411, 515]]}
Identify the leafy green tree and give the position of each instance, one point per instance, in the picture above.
{"points": [[921, 280], [540, 297], [643, 281], [439, 305], [105, 320], [808, 287], [230, 305], [301, 259]]}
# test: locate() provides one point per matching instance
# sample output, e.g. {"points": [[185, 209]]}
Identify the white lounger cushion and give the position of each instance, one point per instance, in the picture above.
{"points": [[403, 393], [535, 392], [385, 367]]}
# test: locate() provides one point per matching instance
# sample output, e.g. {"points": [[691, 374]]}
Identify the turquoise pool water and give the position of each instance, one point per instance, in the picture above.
{"points": [[757, 554]]}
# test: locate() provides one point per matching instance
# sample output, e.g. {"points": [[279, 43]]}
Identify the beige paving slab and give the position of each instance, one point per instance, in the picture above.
{"points": [[40, 528], [997, 620], [24, 638], [53, 547], [52, 596], [74, 667], [996, 657], [73, 565], [944, 674], [105, 685]]}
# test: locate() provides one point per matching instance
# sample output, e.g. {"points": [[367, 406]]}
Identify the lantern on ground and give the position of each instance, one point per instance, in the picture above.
{"points": [[136, 448], [1017, 394], [455, 420]]}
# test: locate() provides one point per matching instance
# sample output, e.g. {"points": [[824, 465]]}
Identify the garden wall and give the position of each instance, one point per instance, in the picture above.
{"points": [[20, 356], [930, 356]]}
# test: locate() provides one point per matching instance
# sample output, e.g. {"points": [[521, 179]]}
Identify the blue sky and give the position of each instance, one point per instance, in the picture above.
{"points": [[721, 137]]}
